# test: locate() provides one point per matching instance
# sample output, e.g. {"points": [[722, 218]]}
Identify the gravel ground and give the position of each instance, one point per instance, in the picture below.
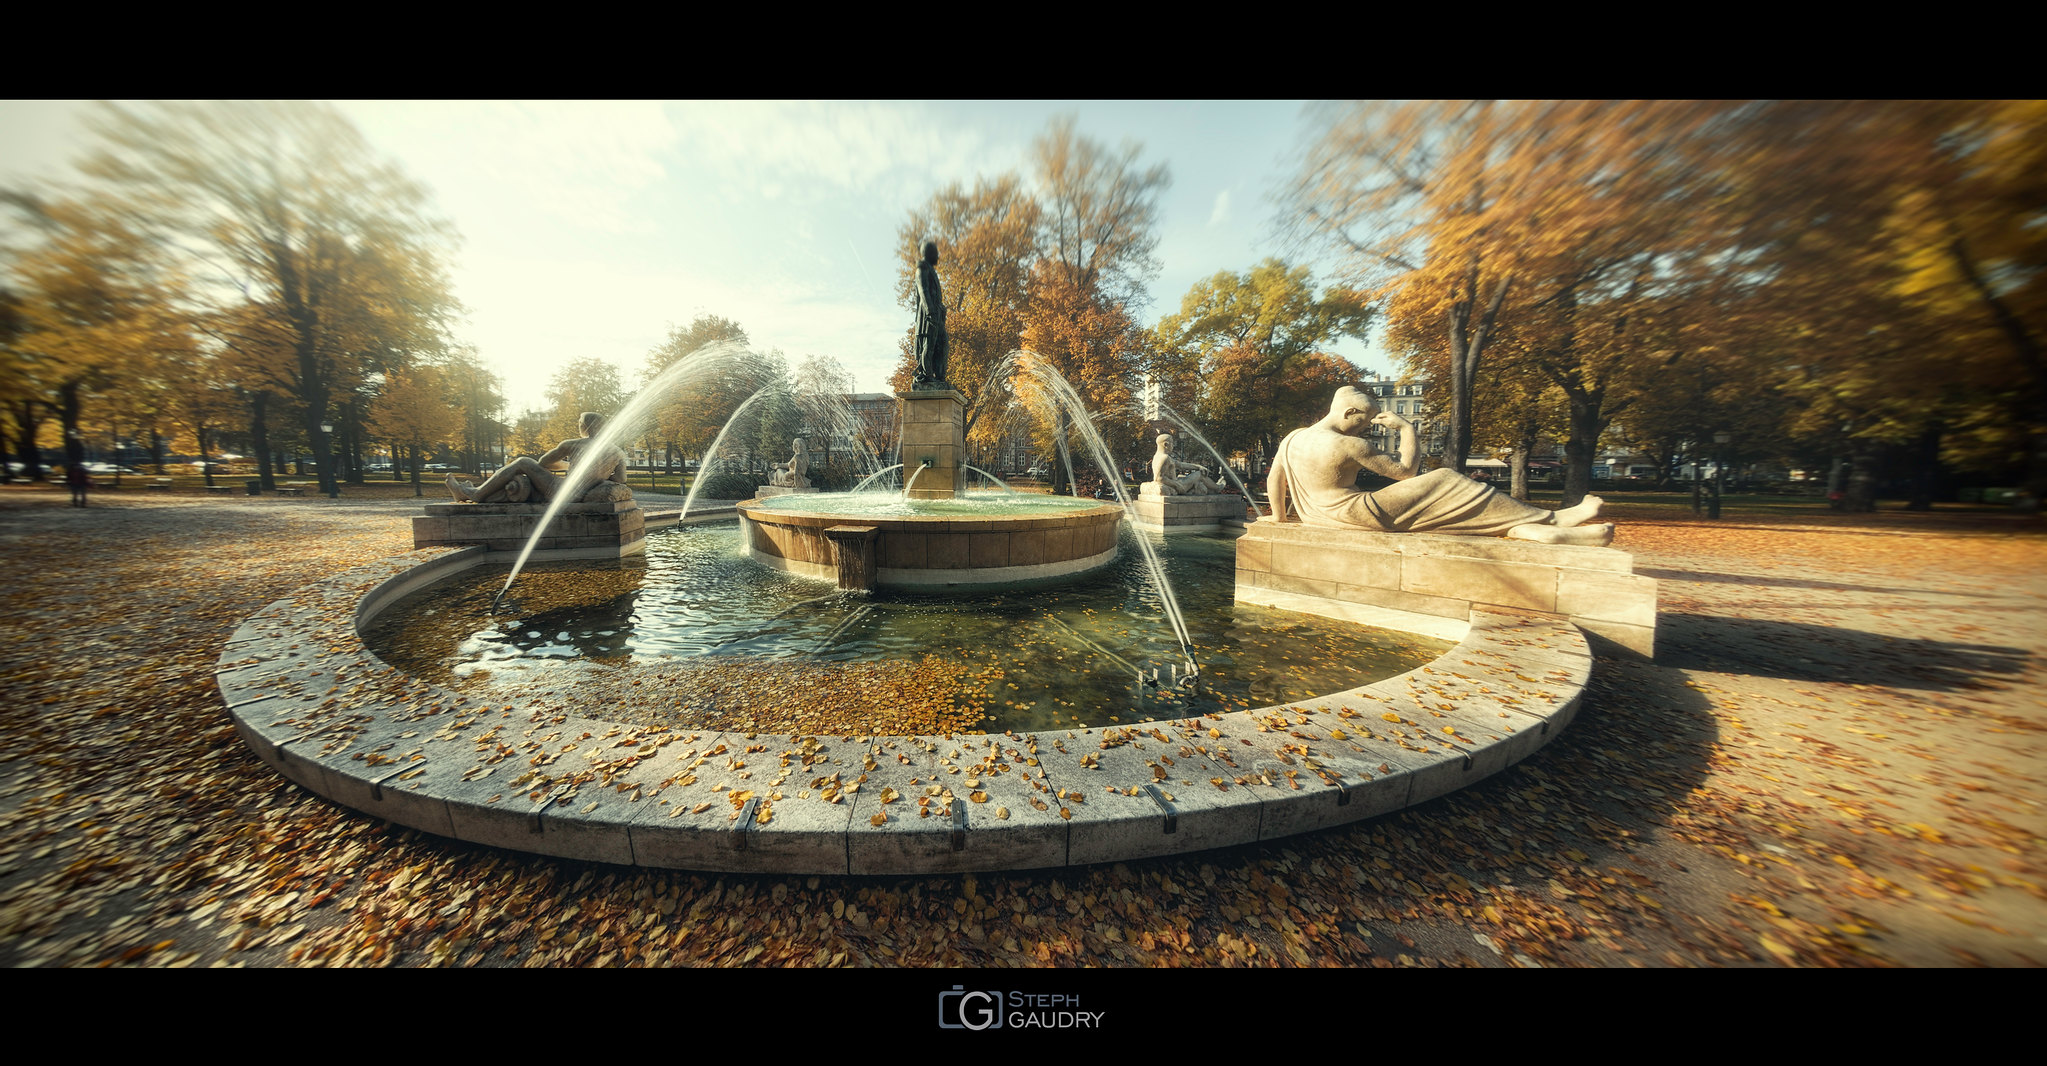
{"points": [[1837, 759]]}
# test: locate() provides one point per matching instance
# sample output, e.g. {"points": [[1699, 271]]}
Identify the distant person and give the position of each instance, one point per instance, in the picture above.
{"points": [[79, 481], [523, 479]]}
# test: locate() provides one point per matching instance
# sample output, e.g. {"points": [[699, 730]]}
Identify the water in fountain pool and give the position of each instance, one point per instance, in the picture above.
{"points": [[697, 636]]}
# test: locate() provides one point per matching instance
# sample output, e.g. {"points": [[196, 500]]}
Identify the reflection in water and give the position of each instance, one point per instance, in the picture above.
{"points": [[1021, 658]]}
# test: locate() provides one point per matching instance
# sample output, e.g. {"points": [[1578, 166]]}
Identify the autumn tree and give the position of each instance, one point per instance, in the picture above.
{"points": [[1240, 348], [285, 214], [1096, 253], [1901, 242], [987, 240], [692, 411], [93, 308], [413, 412], [821, 388], [201, 404], [478, 393], [581, 385], [1578, 223]]}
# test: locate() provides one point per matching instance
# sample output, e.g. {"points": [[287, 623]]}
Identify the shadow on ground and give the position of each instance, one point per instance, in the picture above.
{"points": [[1789, 582], [1797, 651]]}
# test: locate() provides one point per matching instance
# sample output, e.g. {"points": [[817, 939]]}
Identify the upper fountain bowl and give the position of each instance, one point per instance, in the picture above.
{"points": [[871, 540]]}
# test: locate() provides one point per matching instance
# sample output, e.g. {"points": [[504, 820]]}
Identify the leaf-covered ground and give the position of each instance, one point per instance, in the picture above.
{"points": [[1837, 760]]}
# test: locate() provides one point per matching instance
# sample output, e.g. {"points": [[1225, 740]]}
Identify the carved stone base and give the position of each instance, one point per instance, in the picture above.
{"points": [[1446, 576], [1186, 513], [934, 431], [579, 531], [780, 490]]}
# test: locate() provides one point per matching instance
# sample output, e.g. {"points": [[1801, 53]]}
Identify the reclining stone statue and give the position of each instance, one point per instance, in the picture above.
{"points": [[1171, 477], [525, 479], [1314, 481]]}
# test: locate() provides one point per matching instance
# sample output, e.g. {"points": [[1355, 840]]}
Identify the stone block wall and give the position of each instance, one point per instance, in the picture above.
{"points": [[580, 530], [1446, 576], [934, 428]]}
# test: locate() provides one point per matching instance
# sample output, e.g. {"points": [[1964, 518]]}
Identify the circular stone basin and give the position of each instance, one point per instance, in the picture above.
{"points": [[315, 704], [692, 633], [979, 540]]}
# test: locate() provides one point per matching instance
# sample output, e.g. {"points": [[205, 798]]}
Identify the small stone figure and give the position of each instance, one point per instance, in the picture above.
{"points": [[934, 348], [1314, 476], [529, 480], [1171, 477], [790, 474]]}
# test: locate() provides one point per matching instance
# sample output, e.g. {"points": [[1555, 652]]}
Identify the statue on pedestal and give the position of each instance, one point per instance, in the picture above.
{"points": [[525, 480], [791, 474], [1314, 481], [1171, 477], [933, 347]]}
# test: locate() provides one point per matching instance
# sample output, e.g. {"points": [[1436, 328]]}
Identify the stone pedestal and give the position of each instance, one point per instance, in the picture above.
{"points": [[934, 431], [579, 531], [1446, 576], [762, 491], [1185, 514]]}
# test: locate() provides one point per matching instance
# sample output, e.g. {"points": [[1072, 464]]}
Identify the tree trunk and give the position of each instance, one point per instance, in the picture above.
{"points": [[1860, 491], [1517, 479], [67, 409], [259, 437], [1925, 469], [206, 455], [1579, 449], [27, 422], [416, 447]]}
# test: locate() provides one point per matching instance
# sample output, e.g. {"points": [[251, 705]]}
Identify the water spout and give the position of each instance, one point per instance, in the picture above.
{"points": [[1174, 417], [877, 475], [991, 477], [914, 476], [1066, 400], [620, 426], [704, 470]]}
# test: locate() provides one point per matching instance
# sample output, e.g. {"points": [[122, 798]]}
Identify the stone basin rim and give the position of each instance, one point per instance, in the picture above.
{"points": [[1291, 767]]}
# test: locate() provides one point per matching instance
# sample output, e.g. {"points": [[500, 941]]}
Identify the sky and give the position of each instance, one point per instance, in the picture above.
{"points": [[590, 228]]}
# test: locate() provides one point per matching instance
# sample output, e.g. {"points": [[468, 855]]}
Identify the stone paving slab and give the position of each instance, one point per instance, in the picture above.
{"points": [[310, 700]]}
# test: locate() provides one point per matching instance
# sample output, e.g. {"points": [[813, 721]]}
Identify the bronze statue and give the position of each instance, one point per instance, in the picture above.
{"points": [[933, 347]]}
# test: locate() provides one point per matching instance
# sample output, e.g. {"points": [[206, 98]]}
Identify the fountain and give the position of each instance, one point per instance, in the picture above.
{"points": [[1117, 728], [934, 537]]}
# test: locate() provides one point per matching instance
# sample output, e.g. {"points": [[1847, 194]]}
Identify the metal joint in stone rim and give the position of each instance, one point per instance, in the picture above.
{"points": [[745, 825], [1165, 808]]}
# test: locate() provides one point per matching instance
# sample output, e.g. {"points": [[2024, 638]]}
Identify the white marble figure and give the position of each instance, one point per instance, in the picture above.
{"points": [[526, 480], [1314, 481], [791, 474], [1171, 477]]}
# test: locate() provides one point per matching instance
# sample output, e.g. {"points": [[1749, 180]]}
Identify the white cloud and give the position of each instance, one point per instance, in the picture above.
{"points": [[579, 161], [1220, 214]]}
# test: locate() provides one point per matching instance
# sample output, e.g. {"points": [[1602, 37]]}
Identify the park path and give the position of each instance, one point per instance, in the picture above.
{"points": [[1836, 760]]}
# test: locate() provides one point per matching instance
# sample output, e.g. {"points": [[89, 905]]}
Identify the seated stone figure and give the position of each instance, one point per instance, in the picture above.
{"points": [[1314, 480], [526, 480], [791, 473], [1171, 477]]}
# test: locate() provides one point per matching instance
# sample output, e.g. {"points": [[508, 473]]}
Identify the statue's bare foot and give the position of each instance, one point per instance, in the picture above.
{"points": [[461, 490], [1597, 536], [1587, 510]]}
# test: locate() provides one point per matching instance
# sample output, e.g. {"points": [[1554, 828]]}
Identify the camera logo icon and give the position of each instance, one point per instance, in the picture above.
{"points": [[961, 1009]]}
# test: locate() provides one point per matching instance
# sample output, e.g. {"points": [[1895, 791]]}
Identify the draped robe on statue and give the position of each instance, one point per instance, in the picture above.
{"points": [[1440, 501]]}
